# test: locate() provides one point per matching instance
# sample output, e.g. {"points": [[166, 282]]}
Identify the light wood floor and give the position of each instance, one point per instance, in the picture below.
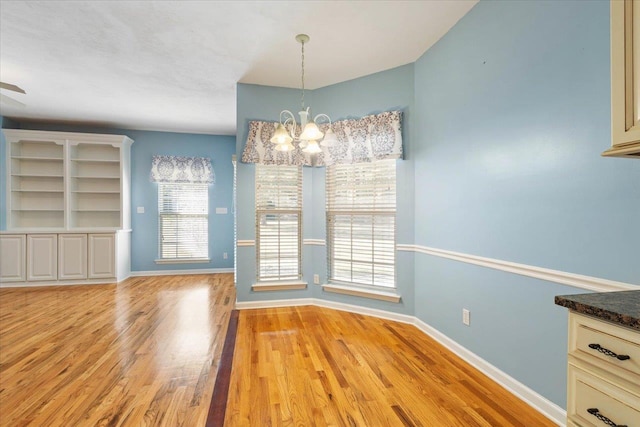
{"points": [[310, 366], [146, 353], [142, 353]]}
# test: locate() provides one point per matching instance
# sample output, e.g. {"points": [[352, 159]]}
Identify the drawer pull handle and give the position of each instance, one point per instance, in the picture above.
{"points": [[608, 352], [607, 421]]}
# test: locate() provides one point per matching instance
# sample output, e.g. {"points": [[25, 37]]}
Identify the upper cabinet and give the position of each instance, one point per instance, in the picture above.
{"points": [[625, 79], [67, 181]]}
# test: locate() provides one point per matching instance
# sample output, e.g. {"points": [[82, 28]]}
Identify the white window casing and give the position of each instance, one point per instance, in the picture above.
{"points": [[278, 222], [361, 223], [183, 210]]}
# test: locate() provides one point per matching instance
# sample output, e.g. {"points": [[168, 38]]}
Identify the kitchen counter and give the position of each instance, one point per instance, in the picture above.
{"points": [[621, 308]]}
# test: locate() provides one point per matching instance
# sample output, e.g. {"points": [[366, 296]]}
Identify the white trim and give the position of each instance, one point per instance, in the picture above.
{"points": [[107, 281], [183, 261], [278, 286], [575, 280], [181, 272], [362, 292], [240, 243], [540, 403], [382, 314], [274, 303], [317, 242]]}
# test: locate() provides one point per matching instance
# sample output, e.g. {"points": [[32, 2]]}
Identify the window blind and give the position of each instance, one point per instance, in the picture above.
{"points": [[361, 227], [184, 224], [278, 222]]}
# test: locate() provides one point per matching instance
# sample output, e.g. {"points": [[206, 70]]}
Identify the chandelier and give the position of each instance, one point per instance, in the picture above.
{"points": [[309, 135]]}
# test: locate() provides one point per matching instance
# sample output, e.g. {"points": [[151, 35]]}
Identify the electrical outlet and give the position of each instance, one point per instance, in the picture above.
{"points": [[316, 279], [466, 317], [224, 255]]}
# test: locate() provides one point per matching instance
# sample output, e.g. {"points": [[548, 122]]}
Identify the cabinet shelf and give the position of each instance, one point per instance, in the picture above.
{"points": [[35, 158], [95, 177], [31, 175], [37, 210], [96, 210], [95, 160], [95, 192], [36, 191]]}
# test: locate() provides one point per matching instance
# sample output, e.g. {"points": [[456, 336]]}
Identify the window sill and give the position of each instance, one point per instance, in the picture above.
{"points": [[390, 296], [183, 261], [278, 286]]}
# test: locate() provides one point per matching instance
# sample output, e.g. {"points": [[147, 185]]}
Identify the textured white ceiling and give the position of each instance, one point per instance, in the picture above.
{"points": [[174, 65]]}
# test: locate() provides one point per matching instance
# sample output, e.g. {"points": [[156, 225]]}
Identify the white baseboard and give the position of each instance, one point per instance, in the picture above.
{"points": [[180, 272], [248, 305], [374, 312], [540, 403], [78, 282]]}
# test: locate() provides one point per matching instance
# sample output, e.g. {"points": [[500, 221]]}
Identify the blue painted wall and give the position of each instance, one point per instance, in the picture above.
{"points": [[512, 113], [144, 238], [389, 90]]}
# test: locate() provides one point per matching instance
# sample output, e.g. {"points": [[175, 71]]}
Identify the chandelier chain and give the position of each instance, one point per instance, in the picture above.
{"points": [[302, 100]]}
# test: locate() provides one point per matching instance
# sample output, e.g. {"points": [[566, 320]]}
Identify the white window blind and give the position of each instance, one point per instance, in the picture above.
{"points": [[278, 222], [184, 224], [361, 229]]}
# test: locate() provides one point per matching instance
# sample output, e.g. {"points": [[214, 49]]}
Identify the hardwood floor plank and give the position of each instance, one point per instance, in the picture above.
{"points": [[311, 366], [144, 352]]}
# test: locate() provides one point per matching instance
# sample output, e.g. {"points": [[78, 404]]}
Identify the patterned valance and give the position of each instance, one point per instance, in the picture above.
{"points": [[195, 170], [369, 138]]}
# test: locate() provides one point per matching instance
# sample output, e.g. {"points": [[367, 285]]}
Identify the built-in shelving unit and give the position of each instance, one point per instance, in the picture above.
{"points": [[68, 208], [67, 181], [95, 185], [36, 191]]}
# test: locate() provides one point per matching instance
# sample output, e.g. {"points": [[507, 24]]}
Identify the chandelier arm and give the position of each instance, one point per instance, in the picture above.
{"points": [[290, 124], [321, 115], [287, 113]]}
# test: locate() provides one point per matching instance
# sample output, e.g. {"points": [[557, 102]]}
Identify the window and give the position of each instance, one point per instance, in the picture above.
{"points": [[278, 222], [184, 221], [361, 215]]}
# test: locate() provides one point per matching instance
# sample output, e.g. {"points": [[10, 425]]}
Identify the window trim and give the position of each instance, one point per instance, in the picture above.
{"points": [[387, 293], [279, 283], [183, 260]]}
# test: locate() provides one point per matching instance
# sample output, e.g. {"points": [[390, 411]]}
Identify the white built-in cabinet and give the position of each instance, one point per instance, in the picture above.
{"points": [[101, 255], [13, 262], [72, 256], [68, 207], [603, 387], [625, 79], [42, 257], [64, 258]]}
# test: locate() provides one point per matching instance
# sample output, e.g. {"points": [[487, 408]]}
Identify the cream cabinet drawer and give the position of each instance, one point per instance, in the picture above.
{"points": [[607, 346], [594, 402]]}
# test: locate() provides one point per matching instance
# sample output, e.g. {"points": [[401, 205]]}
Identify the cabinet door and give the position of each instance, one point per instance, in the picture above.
{"points": [[102, 249], [72, 256], [42, 257], [13, 258], [625, 74]]}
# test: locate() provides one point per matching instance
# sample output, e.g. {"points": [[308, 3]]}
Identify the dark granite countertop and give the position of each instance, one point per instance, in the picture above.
{"points": [[621, 307]]}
